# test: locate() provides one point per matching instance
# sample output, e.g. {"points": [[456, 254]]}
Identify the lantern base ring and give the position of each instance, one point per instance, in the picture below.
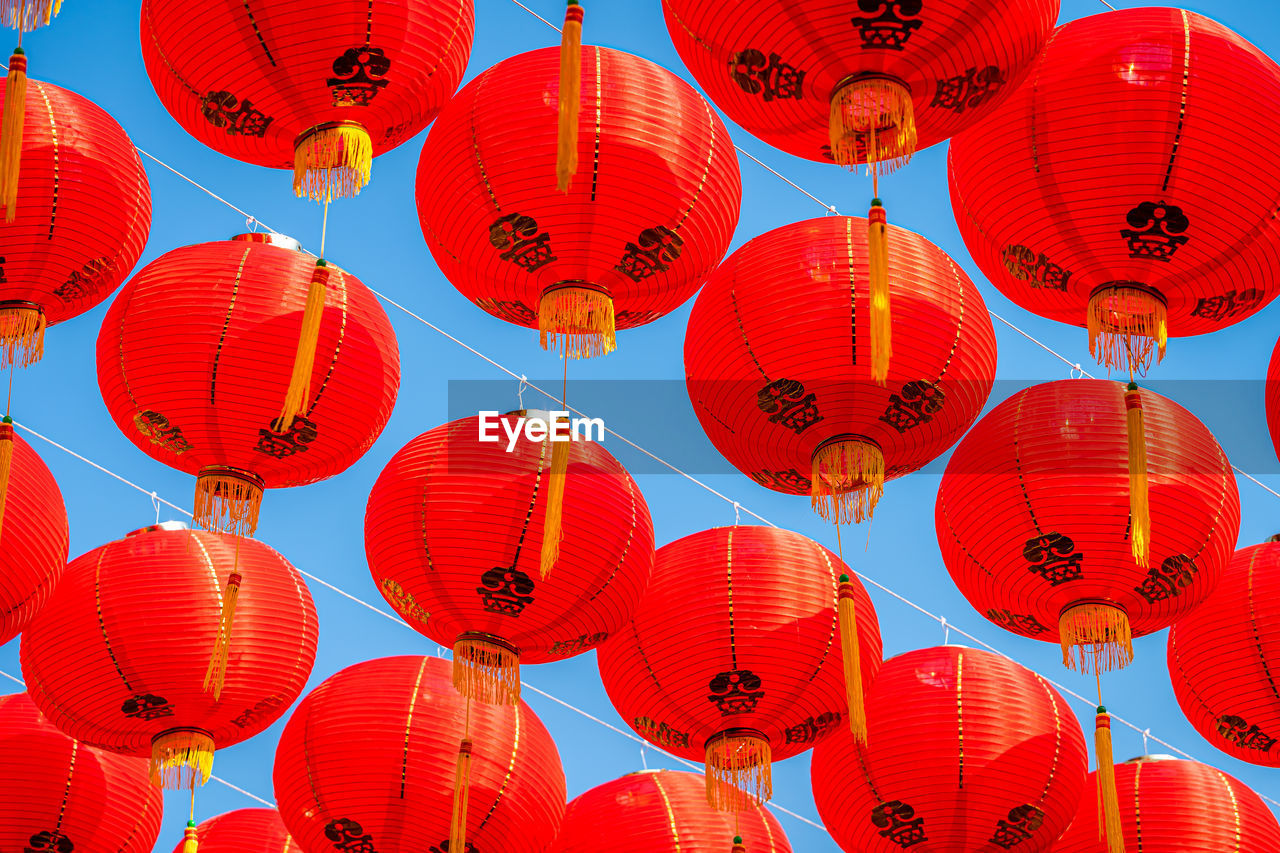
{"points": [[847, 478], [739, 770], [227, 500], [577, 317], [181, 758], [22, 326], [1095, 636], [1128, 325], [486, 668]]}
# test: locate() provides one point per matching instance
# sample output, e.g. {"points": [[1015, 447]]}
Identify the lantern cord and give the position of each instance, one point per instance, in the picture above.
{"points": [[324, 224], [8, 405]]}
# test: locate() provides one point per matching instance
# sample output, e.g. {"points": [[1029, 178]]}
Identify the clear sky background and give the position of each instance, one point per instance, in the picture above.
{"points": [[92, 48]]}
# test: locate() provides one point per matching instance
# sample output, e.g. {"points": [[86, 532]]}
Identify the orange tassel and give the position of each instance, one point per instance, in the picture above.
{"points": [[6, 462], [304, 359], [1095, 636], [26, 15], [570, 96], [1139, 504], [190, 841], [553, 525], [215, 676], [1109, 827], [15, 111], [227, 500], [847, 480], [486, 669], [739, 770], [881, 327], [461, 793], [850, 649]]}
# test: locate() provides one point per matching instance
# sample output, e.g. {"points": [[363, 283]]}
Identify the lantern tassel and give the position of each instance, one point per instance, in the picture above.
{"points": [[304, 359], [570, 96], [190, 841], [21, 335], [579, 321], [215, 676], [26, 15], [1128, 326], [6, 462], [847, 480], [872, 121], [486, 669], [1095, 637], [181, 758], [881, 328], [1139, 505], [15, 111], [553, 525], [739, 770], [1109, 826], [332, 160], [738, 845], [461, 794], [850, 649], [227, 500]]}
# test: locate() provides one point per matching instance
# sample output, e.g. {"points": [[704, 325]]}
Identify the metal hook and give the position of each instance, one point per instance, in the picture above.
{"points": [[946, 631], [251, 224], [155, 503], [737, 514], [831, 211], [1077, 372], [644, 758], [1146, 734], [524, 383]]}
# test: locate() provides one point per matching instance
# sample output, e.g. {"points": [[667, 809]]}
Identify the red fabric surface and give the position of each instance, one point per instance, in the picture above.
{"points": [[33, 540], [119, 655], [369, 756], [454, 530], [1272, 399], [1127, 109], [968, 752], [61, 796], [244, 831], [648, 215], [1033, 510], [726, 607]]}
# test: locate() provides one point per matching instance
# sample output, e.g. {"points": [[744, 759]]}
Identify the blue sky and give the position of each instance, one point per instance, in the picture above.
{"points": [[93, 49]]}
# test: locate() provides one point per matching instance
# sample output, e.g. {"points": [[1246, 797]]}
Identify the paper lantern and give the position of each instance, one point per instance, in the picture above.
{"points": [[779, 362], [196, 358], [456, 543], [366, 762], [647, 217], [313, 86], [1083, 197], [243, 831], [1223, 654], [33, 534], [663, 811], [1272, 399], [1171, 806], [967, 751], [734, 655], [62, 796], [119, 657]]}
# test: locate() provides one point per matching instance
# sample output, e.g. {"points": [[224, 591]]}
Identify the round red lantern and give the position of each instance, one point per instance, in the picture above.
{"points": [[1172, 806], [1222, 656], [33, 534], [457, 544], [782, 371], [1101, 216], [366, 762], [119, 659], [649, 214], [663, 811], [317, 87], [59, 795], [988, 757], [1272, 398], [198, 358], [1035, 518], [83, 214], [734, 654], [243, 831]]}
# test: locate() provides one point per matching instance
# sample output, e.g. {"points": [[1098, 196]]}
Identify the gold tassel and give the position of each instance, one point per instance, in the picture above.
{"points": [[26, 15], [181, 758], [304, 359], [739, 770], [872, 121], [1095, 637], [215, 676], [227, 500], [486, 669], [21, 334], [881, 327], [461, 793], [847, 480], [1127, 326], [190, 841], [553, 524], [15, 112], [1139, 505], [738, 846], [6, 462], [1109, 827], [579, 321], [332, 160], [850, 649], [570, 96]]}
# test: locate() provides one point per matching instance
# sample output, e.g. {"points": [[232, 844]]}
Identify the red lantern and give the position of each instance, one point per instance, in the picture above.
{"points": [[1101, 216], [243, 831], [966, 751], [33, 534], [1222, 656], [780, 365], [312, 86], [85, 213], [456, 543], [734, 654], [368, 759], [648, 216], [197, 356], [59, 795], [119, 658], [1272, 399], [1171, 806], [663, 811]]}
